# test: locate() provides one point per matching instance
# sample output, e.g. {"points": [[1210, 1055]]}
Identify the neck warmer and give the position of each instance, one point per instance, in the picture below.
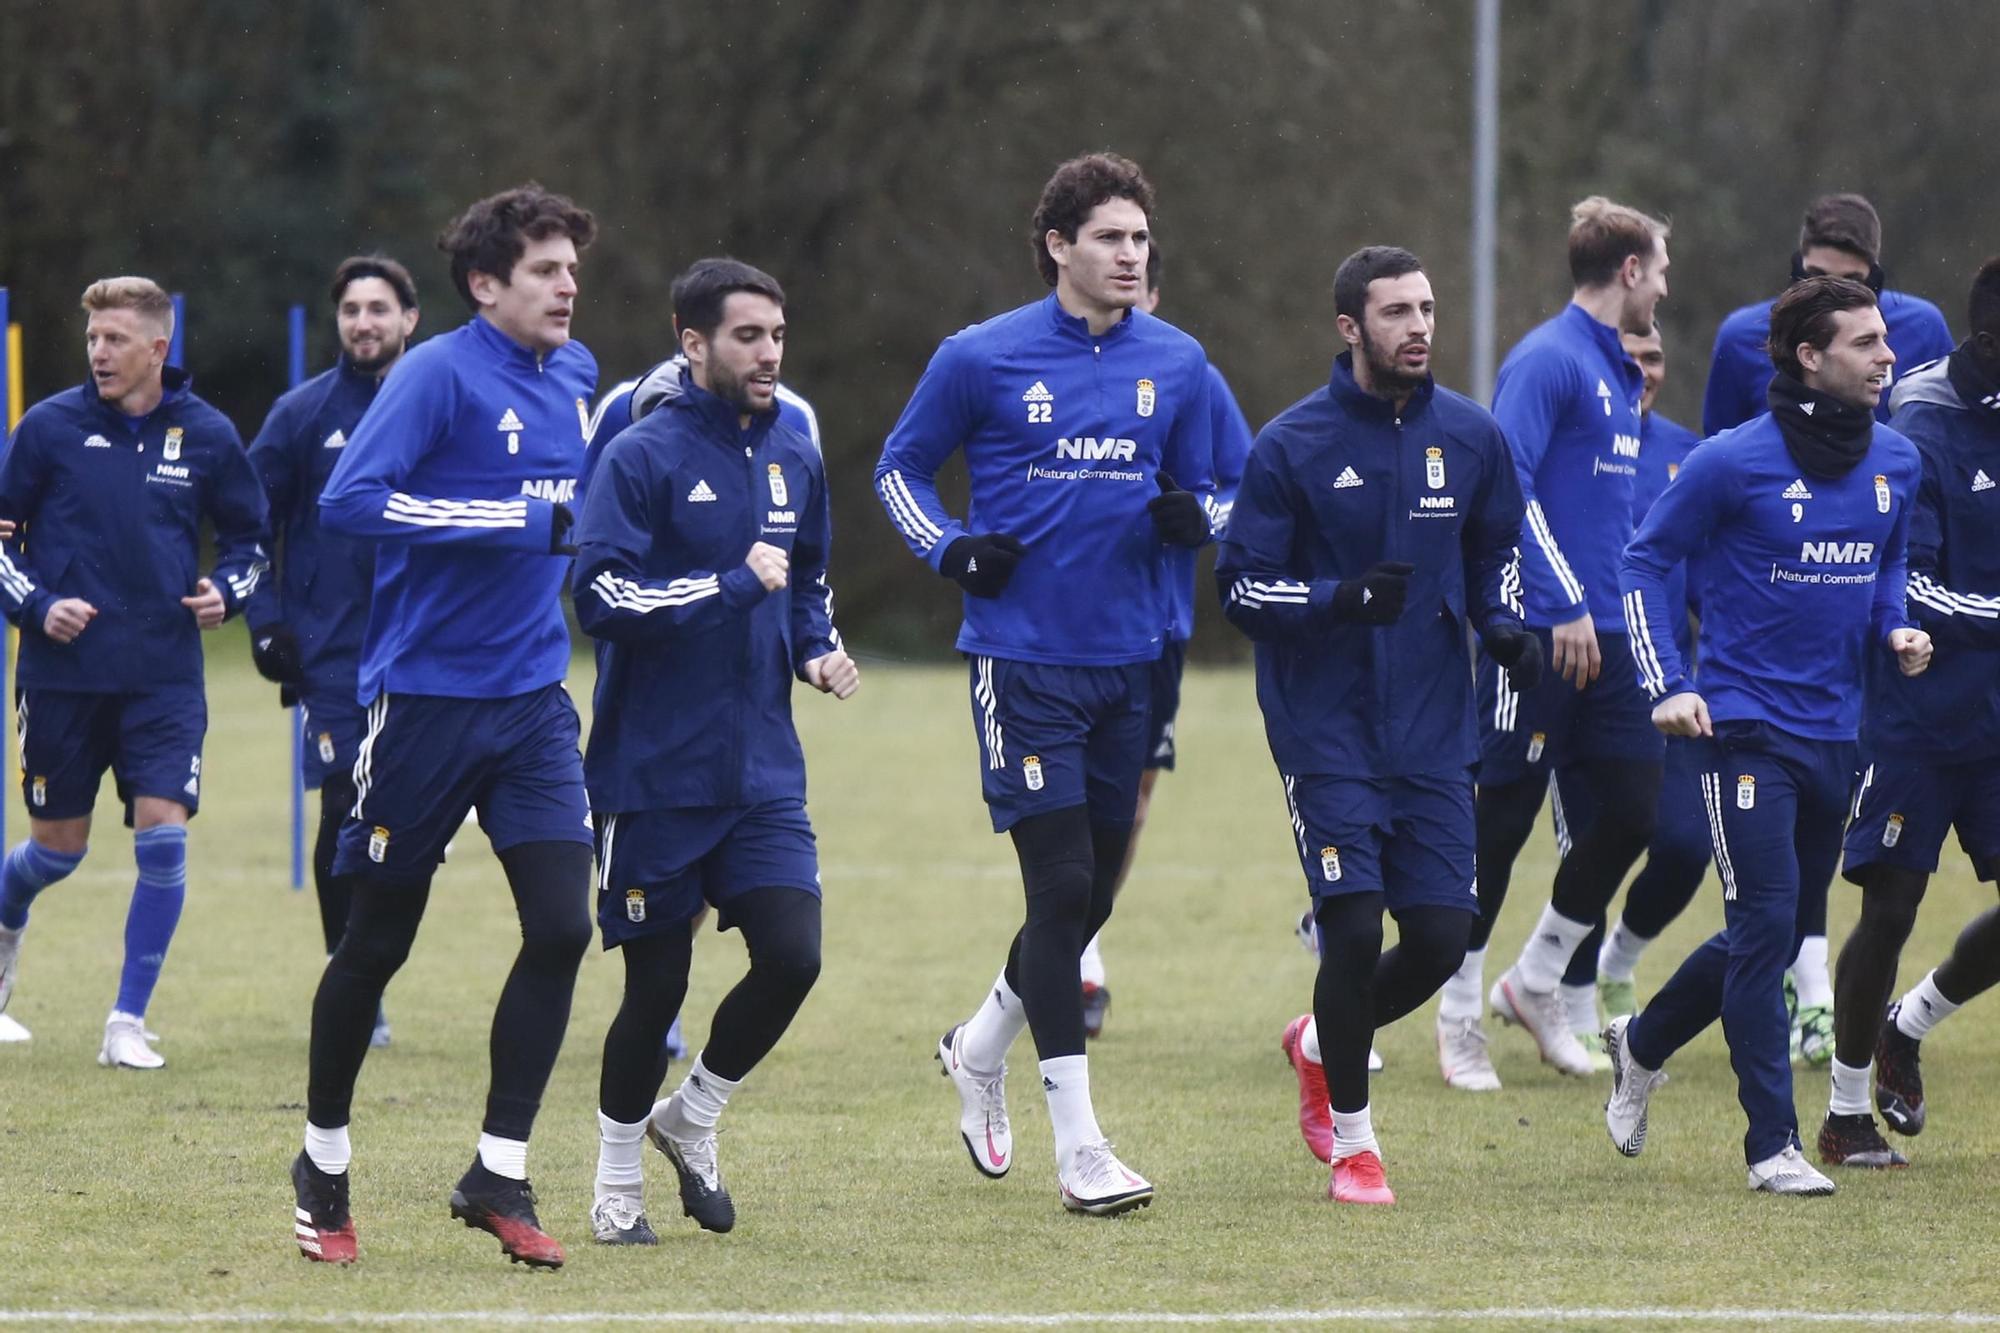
{"points": [[1824, 436], [1977, 386]]}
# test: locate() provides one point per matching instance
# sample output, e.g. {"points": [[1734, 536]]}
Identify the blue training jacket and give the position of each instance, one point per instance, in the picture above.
{"points": [[1951, 713], [1337, 483], [1065, 434], [324, 578], [633, 400], [1229, 435], [457, 471], [1739, 370], [1568, 398], [1663, 446], [696, 659], [1800, 578], [112, 508]]}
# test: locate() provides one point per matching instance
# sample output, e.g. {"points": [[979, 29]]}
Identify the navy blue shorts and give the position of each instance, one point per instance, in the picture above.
{"points": [[1523, 735], [426, 760], [1165, 705], [151, 742], [1052, 737], [656, 868], [333, 725], [1905, 808], [1680, 826], [1410, 839]]}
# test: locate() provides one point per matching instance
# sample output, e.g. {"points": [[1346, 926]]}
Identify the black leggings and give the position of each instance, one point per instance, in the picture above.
{"points": [[1069, 869], [781, 928], [1626, 795], [1361, 988], [335, 892], [550, 882]]}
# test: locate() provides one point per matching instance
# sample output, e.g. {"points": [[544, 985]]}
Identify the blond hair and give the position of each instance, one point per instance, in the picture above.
{"points": [[1603, 233], [144, 295]]}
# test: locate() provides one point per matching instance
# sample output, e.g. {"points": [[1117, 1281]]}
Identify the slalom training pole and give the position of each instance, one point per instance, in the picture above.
{"points": [[295, 375]]}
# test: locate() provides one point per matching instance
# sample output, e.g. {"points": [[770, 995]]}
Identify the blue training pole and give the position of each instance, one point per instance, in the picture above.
{"points": [[295, 374], [7, 420], [177, 349]]}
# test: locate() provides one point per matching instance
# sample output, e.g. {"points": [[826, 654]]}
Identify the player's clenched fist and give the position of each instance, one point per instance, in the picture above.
{"points": [[67, 618], [769, 564], [1912, 648], [834, 673]]}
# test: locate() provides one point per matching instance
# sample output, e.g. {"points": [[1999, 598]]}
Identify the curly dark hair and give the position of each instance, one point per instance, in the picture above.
{"points": [[1079, 185], [378, 265], [491, 236], [1804, 314]]}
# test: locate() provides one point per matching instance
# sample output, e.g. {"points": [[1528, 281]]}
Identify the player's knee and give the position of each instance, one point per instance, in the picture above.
{"points": [[791, 965], [559, 939], [1889, 907]]}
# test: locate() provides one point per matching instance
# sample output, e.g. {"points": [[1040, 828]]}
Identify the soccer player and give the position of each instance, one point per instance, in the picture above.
{"points": [[1840, 236], [109, 483], [1933, 749], [1378, 518], [702, 572], [462, 472], [1230, 437], [1677, 856], [1085, 426], [1800, 518], [306, 625], [1568, 397]]}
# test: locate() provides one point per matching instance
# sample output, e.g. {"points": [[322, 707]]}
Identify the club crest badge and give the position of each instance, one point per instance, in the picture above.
{"points": [[1881, 494], [378, 844], [1031, 768], [778, 492], [40, 794], [326, 747], [635, 905], [1746, 792], [1434, 468], [1329, 862], [1147, 398], [1892, 832], [172, 450], [1536, 744], [583, 417]]}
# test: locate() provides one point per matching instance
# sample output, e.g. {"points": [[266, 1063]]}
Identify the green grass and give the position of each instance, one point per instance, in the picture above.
{"points": [[166, 1193]]}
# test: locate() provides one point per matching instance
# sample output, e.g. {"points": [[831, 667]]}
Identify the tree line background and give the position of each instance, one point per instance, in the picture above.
{"points": [[881, 158]]}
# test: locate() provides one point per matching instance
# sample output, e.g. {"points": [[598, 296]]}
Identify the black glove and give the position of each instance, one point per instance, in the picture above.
{"points": [[1377, 597], [560, 523], [982, 564], [275, 650], [1520, 652], [1178, 514]]}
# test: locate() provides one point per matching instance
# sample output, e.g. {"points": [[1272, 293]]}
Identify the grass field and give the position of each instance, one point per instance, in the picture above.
{"points": [[162, 1199]]}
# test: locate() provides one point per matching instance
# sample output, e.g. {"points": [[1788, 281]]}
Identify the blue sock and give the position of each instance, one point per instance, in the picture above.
{"points": [[161, 852], [29, 869]]}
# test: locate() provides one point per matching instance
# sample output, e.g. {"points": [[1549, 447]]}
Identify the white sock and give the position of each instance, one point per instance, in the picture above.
{"points": [[993, 1027], [1809, 975], [1092, 964], [1464, 990], [1619, 957], [1309, 1041], [1545, 957], [1923, 1008], [1850, 1090], [703, 1094], [1066, 1081], [1353, 1132], [1580, 1002], [618, 1145], [328, 1149], [504, 1157]]}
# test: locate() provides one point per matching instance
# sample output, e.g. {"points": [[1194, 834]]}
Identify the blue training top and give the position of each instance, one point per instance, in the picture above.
{"points": [[457, 471]]}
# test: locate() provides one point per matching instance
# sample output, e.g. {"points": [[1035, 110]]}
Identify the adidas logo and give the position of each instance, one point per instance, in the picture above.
{"points": [[1981, 482], [972, 564], [1807, 408], [337, 440], [1603, 389], [1348, 477], [510, 422], [1797, 490], [1048, 1084], [701, 494], [1038, 392], [97, 442]]}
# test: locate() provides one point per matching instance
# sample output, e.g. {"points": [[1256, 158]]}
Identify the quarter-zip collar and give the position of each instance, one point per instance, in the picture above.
{"points": [[175, 384], [1357, 401], [720, 417], [1077, 328], [1607, 338], [505, 349]]}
